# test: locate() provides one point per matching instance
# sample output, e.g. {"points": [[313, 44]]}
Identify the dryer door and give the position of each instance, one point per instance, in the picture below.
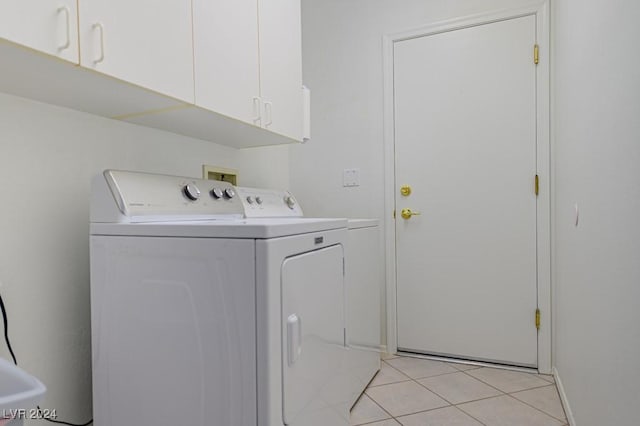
{"points": [[312, 333]]}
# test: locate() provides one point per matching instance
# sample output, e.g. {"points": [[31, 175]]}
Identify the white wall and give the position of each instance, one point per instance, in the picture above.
{"points": [[264, 167], [342, 65], [597, 165], [47, 157]]}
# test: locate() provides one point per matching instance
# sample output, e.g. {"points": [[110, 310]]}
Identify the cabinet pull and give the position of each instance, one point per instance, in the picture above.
{"points": [[94, 27], [268, 113], [257, 117], [67, 18]]}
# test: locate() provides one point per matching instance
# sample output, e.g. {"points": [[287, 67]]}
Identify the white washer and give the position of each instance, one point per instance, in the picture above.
{"points": [[362, 290], [201, 317], [364, 286]]}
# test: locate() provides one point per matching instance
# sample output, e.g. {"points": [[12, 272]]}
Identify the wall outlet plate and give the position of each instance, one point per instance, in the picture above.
{"points": [[351, 177]]}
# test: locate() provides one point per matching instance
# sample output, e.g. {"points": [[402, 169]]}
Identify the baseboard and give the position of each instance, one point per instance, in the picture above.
{"points": [[563, 398]]}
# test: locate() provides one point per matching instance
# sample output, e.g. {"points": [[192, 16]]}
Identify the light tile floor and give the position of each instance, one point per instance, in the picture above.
{"points": [[420, 392]]}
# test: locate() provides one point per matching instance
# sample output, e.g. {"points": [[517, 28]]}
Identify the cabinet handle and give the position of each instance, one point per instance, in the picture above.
{"points": [[94, 27], [268, 113], [257, 106], [67, 18]]}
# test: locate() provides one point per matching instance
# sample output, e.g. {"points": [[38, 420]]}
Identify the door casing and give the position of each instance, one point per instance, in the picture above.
{"points": [[541, 11]]}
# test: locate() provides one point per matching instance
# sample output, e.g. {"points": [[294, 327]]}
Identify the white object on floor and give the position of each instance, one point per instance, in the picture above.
{"points": [[18, 391]]}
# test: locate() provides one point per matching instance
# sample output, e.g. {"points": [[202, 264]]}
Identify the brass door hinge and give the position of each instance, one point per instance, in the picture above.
{"points": [[536, 185], [537, 319], [536, 54], [394, 214]]}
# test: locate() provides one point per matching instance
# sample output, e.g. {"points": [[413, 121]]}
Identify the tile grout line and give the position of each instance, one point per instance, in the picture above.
{"points": [[550, 415], [432, 409], [512, 396], [537, 409], [542, 376], [390, 383], [466, 402], [427, 377], [501, 393], [439, 408], [433, 392], [454, 404], [469, 414], [507, 393], [375, 421], [440, 396], [381, 407], [386, 384], [482, 381], [444, 399], [416, 412]]}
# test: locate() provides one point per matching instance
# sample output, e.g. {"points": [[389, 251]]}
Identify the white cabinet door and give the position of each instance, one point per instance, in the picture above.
{"points": [[281, 66], [48, 26], [144, 42], [226, 58]]}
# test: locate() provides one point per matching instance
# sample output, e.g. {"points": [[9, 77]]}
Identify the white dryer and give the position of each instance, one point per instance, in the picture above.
{"points": [[203, 318], [363, 285]]}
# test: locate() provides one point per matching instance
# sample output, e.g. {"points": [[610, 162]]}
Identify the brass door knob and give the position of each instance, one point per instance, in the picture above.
{"points": [[405, 190], [407, 213]]}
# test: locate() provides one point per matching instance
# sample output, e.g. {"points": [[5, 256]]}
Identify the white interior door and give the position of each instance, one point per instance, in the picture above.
{"points": [[465, 142]]}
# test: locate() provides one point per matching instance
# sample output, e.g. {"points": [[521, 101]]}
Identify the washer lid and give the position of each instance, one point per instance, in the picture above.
{"points": [[241, 228]]}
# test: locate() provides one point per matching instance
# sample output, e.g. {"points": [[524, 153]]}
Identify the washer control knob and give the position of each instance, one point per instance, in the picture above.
{"points": [[191, 191], [229, 193], [250, 199], [290, 201], [216, 193], [258, 200]]}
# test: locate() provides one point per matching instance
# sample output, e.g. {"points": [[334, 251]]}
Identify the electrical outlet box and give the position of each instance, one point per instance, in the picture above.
{"points": [[220, 173]]}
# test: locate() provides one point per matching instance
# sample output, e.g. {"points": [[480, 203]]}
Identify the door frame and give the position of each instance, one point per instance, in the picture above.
{"points": [[540, 10]]}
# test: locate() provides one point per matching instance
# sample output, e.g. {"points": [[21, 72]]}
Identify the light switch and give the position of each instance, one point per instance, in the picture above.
{"points": [[351, 177]]}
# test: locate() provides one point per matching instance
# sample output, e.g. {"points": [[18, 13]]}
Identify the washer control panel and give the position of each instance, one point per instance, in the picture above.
{"points": [[146, 197], [260, 202]]}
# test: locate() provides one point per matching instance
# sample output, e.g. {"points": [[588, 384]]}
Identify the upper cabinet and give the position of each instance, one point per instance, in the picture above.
{"points": [[248, 61], [228, 71], [47, 26], [225, 34], [145, 42], [281, 66]]}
